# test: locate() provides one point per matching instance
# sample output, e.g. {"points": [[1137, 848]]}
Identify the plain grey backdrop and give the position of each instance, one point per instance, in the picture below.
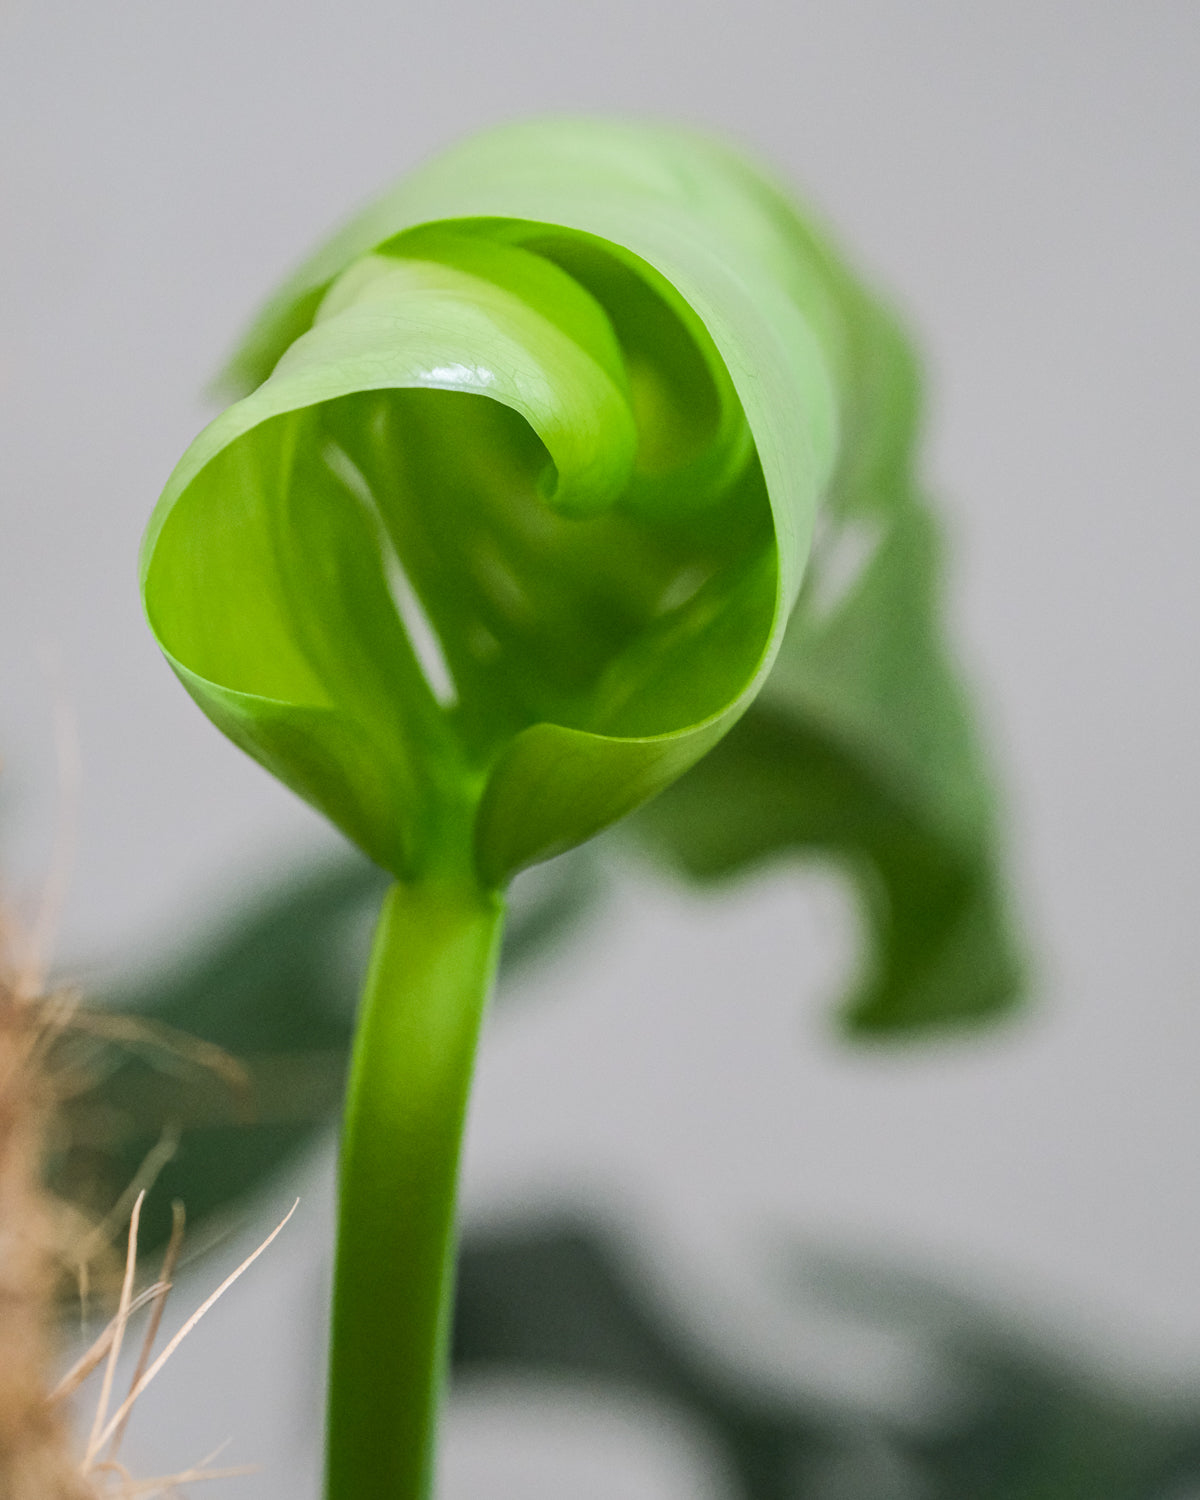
{"points": [[1023, 180]]}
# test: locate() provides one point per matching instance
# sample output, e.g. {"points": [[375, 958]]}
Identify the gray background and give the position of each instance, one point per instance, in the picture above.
{"points": [[1023, 179]]}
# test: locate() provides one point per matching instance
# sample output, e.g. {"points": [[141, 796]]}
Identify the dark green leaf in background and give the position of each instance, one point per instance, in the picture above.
{"points": [[561, 1301], [276, 990], [861, 746]]}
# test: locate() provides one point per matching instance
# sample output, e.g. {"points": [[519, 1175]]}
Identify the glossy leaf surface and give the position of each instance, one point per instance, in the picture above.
{"points": [[509, 532]]}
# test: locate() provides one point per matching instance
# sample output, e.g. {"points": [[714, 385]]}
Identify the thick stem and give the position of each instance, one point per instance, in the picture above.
{"points": [[431, 971]]}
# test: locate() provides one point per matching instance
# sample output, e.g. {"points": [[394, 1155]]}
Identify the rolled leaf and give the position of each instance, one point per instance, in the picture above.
{"points": [[511, 526], [509, 532]]}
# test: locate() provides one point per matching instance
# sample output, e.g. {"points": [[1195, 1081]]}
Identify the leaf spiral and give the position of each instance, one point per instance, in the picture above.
{"points": [[507, 529]]}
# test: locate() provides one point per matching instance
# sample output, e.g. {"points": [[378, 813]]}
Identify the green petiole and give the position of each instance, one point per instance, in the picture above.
{"points": [[427, 989]]}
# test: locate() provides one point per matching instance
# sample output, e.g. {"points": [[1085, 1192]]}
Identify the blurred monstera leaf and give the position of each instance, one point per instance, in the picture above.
{"points": [[992, 1413], [861, 746], [269, 996]]}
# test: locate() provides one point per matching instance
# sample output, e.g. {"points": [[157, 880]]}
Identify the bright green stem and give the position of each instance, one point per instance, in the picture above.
{"points": [[431, 971]]}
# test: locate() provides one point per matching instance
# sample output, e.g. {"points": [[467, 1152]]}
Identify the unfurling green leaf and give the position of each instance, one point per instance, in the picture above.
{"points": [[510, 532], [507, 528]]}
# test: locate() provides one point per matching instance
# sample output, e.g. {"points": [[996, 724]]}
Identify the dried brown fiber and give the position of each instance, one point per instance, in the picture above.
{"points": [[37, 1461]]}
